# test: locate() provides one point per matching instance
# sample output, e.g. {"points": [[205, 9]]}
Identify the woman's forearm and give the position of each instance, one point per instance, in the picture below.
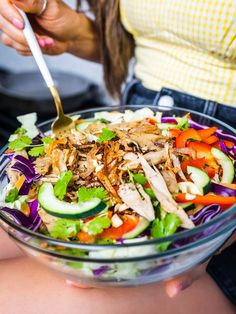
{"points": [[8, 248], [85, 41]]}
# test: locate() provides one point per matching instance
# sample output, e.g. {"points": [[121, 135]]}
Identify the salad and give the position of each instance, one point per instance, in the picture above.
{"points": [[119, 177]]}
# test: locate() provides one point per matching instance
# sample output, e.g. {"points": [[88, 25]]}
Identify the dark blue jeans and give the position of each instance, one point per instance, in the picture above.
{"points": [[136, 94]]}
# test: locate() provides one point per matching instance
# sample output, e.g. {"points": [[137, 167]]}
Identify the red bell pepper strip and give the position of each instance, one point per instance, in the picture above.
{"points": [[210, 140], [174, 133], [85, 237], [207, 199], [198, 163], [147, 185], [151, 121], [129, 223], [229, 144], [210, 171], [205, 133], [200, 147], [185, 136]]}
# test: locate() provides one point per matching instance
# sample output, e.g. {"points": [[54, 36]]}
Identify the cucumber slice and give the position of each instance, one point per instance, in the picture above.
{"points": [[187, 206], [55, 207], [200, 179], [190, 187], [226, 164], [141, 226]]}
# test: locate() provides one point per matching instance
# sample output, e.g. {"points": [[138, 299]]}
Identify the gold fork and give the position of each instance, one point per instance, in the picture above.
{"points": [[62, 122]]}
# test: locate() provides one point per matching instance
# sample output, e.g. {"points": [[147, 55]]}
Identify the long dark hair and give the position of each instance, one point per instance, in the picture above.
{"points": [[116, 44]]}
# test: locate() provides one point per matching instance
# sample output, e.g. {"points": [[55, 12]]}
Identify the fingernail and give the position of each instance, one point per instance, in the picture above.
{"points": [[77, 285], [41, 43], [174, 290], [48, 41], [17, 23]]}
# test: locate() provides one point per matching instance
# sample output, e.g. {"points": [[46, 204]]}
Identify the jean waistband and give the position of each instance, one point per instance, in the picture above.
{"points": [[180, 99]]}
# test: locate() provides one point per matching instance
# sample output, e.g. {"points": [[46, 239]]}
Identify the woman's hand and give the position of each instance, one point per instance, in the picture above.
{"points": [[58, 29]]}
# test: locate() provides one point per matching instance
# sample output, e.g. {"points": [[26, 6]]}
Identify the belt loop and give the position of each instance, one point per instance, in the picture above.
{"points": [[156, 99], [127, 90], [210, 108]]}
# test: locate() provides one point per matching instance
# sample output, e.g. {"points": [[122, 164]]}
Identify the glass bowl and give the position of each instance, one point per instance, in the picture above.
{"points": [[137, 261]]}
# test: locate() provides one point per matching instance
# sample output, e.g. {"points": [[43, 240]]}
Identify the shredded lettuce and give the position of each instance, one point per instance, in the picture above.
{"points": [[183, 123], [28, 122]]}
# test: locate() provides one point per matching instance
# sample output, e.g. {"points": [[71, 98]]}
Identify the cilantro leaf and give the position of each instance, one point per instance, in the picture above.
{"points": [[37, 151], [98, 224], [65, 229], [60, 187], [40, 150], [12, 196], [20, 143], [106, 135], [165, 227], [47, 140], [86, 194], [102, 120]]}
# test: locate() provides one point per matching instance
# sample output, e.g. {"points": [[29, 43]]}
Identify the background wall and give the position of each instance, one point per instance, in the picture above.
{"points": [[10, 60], [10, 107]]}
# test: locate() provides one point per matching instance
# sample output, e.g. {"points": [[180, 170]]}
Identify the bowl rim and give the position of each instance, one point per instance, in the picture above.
{"points": [[177, 236]]}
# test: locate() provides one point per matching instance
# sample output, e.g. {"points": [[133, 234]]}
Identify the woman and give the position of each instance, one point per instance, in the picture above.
{"points": [[184, 51], [189, 47]]}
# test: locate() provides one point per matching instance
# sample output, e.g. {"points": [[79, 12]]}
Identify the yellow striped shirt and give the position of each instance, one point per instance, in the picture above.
{"points": [[187, 45]]}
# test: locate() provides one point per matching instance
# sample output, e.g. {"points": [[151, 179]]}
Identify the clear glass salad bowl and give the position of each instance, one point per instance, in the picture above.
{"points": [[136, 261]]}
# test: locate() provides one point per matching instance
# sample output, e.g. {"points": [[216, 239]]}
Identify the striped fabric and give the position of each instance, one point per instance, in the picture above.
{"points": [[187, 45]]}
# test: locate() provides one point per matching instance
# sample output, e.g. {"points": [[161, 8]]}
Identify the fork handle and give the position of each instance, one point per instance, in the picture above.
{"points": [[36, 50]]}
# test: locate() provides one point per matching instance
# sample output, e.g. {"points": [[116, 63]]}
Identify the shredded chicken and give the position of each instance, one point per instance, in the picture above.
{"points": [[163, 195], [42, 165], [170, 180], [136, 198], [138, 146], [47, 219]]}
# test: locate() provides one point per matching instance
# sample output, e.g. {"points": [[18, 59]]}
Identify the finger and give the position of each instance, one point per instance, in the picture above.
{"points": [[10, 13], [174, 286], [33, 6], [24, 53], [77, 285], [8, 41], [9, 29]]}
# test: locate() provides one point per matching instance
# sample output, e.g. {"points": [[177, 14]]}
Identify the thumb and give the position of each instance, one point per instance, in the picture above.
{"points": [[29, 6], [174, 286]]}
